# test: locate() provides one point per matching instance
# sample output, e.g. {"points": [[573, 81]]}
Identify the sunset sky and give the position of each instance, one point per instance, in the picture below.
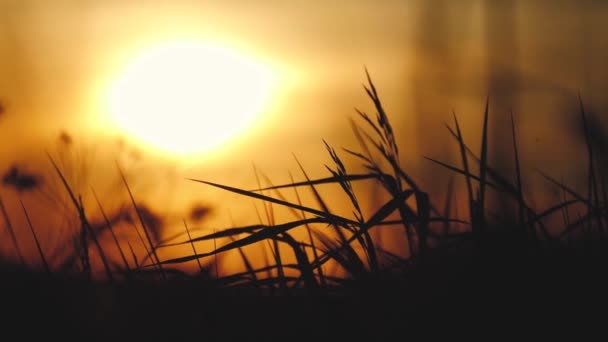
{"points": [[60, 61]]}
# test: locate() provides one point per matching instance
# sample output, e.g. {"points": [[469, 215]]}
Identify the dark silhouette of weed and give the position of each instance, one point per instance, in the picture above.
{"points": [[20, 180], [451, 272]]}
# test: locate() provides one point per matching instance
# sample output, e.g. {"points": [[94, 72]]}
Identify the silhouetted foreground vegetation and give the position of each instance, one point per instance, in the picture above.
{"points": [[498, 272]]}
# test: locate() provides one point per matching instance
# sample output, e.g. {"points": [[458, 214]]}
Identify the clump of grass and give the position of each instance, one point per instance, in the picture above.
{"points": [[345, 241], [379, 148]]}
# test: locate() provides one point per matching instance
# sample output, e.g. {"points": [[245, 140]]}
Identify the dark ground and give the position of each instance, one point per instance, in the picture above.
{"points": [[498, 290]]}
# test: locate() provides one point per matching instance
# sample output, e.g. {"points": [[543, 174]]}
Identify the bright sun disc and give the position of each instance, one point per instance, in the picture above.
{"points": [[189, 97]]}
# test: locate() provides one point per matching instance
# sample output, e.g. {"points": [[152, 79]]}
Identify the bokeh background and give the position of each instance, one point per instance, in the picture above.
{"points": [[427, 58]]}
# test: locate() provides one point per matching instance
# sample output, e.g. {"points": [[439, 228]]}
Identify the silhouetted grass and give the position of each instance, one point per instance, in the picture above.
{"points": [[11, 231], [415, 220], [496, 257]]}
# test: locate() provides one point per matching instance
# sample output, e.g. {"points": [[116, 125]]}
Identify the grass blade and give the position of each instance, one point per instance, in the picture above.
{"points": [[592, 194], [11, 231], [86, 226], [141, 220], [47, 269], [256, 237], [310, 238], [328, 180], [274, 200], [518, 175], [200, 267], [465, 164], [112, 233], [479, 221]]}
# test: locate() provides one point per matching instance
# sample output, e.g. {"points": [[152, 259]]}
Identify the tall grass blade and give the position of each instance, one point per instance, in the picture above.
{"points": [[285, 237], [216, 266], [328, 180], [225, 233], [337, 225], [569, 190], [112, 233], [367, 243], [11, 231], [389, 207], [143, 224], [269, 233], [347, 258], [274, 200], [86, 228], [356, 131], [592, 194], [143, 244], [134, 256], [84, 244], [479, 222], [247, 263], [200, 267], [520, 200], [566, 213], [555, 208], [457, 170], [465, 164], [447, 209], [47, 269], [309, 232], [325, 208], [275, 244]]}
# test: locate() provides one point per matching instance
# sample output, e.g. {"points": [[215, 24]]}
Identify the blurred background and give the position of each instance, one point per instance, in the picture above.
{"points": [[427, 58]]}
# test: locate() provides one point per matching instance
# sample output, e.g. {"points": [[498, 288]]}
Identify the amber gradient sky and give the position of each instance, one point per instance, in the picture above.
{"points": [[426, 57]]}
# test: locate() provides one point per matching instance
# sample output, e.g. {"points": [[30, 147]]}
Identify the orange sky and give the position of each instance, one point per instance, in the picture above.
{"points": [[426, 57]]}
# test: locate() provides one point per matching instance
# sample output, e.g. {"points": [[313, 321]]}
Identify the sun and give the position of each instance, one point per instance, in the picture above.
{"points": [[189, 97]]}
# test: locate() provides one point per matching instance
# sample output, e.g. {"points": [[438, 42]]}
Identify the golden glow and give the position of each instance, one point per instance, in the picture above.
{"points": [[189, 97]]}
